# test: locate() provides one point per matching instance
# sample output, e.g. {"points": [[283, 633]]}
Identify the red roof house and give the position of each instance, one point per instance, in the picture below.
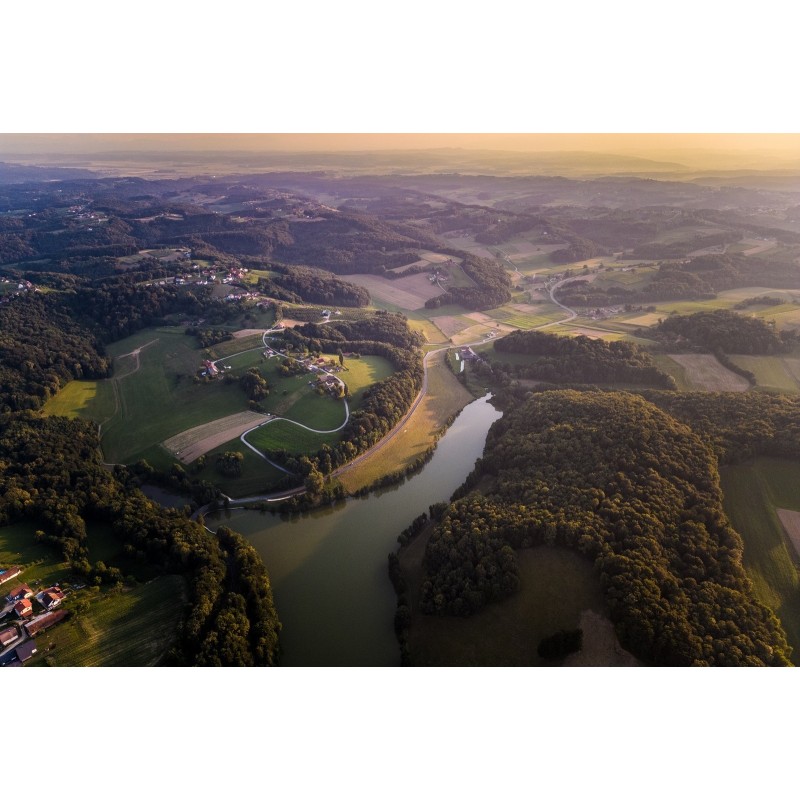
{"points": [[24, 608], [50, 598], [20, 593]]}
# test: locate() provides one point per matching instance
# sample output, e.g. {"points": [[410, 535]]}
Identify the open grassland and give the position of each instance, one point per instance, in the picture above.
{"points": [[444, 399], [772, 372], [232, 347], [752, 494], [544, 314], [633, 278], [161, 399], [557, 588], [704, 373], [154, 396], [134, 628]]}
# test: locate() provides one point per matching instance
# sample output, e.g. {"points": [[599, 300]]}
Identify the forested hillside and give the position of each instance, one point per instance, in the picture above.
{"points": [[634, 490]]}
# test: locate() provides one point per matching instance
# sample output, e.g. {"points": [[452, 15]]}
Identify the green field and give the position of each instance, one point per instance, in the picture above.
{"points": [[752, 492], [144, 405], [133, 628], [283, 435], [93, 400], [772, 372]]}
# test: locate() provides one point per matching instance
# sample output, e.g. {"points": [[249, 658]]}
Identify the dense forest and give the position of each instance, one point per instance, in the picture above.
{"points": [[721, 330], [578, 359], [634, 490]]}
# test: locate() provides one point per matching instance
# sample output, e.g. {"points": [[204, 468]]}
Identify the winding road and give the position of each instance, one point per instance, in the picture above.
{"points": [[286, 494]]}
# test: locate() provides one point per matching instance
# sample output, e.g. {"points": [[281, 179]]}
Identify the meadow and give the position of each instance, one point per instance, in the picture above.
{"points": [[557, 587], [751, 494]]}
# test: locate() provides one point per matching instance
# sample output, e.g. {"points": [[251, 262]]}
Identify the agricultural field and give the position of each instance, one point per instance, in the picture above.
{"points": [[154, 398], [704, 373], [132, 628], [406, 294], [773, 373], [752, 494], [283, 435], [558, 587], [195, 442]]}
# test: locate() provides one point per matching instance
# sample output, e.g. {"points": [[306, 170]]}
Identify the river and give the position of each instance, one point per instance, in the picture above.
{"points": [[328, 568]]}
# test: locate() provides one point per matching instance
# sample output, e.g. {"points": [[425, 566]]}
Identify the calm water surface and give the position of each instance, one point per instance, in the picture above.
{"points": [[328, 568]]}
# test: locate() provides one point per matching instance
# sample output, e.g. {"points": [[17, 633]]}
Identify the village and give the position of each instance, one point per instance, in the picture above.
{"points": [[26, 613]]}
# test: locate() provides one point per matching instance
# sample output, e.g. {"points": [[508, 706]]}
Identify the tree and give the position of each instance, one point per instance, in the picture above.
{"points": [[230, 463]]}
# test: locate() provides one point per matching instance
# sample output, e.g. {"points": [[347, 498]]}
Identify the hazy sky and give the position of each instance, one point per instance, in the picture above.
{"points": [[780, 145]]}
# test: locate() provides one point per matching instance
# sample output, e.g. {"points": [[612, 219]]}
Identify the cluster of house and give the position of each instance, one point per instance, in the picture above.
{"points": [[13, 287], [605, 313], [48, 599]]}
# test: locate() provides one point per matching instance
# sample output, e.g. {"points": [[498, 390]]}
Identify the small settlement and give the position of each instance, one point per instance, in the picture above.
{"points": [[23, 614]]}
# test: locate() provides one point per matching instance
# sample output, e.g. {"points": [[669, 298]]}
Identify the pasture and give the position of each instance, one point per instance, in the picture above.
{"points": [[752, 493], [134, 628], [704, 373]]}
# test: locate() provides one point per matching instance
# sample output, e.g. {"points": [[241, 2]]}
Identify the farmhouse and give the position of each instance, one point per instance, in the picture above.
{"points": [[44, 621], [23, 609], [22, 592], [468, 354], [8, 574], [7, 636]]}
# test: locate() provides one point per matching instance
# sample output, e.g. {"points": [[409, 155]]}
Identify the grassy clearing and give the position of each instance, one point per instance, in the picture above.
{"points": [[161, 399], [772, 372], [445, 398], [134, 628], [85, 399], [40, 561], [557, 585], [258, 476], [752, 492]]}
